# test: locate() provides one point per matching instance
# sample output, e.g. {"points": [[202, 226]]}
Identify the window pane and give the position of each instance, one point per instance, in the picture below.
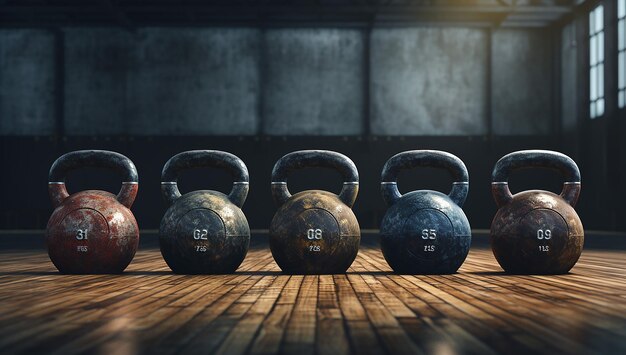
{"points": [[593, 50], [600, 108], [592, 25], [592, 110], [601, 80], [621, 8], [621, 83], [620, 34], [599, 21], [593, 84], [601, 46], [596, 61], [620, 98]]}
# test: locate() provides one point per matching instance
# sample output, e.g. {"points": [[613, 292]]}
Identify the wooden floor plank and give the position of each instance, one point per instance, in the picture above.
{"points": [[258, 310], [272, 329], [242, 335], [331, 333], [300, 334]]}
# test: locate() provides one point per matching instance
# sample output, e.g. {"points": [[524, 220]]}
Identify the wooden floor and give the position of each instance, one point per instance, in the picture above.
{"points": [[259, 310]]}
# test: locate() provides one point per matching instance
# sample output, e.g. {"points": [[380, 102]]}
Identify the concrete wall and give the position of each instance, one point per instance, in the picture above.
{"points": [[569, 87], [27, 82], [522, 82], [245, 81], [98, 69], [429, 81], [314, 82], [162, 81]]}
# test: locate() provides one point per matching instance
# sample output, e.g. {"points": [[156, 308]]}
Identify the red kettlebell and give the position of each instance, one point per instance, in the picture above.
{"points": [[92, 231]]}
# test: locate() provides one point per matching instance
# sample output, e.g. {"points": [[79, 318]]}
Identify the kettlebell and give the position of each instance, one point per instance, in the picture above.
{"points": [[314, 231], [536, 231], [92, 231], [424, 231], [205, 231]]}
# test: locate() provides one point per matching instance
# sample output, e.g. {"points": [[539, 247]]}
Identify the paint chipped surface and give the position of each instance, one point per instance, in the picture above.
{"points": [[314, 233], [203, 232], [92, 233], [520, 240], [425, 232]]}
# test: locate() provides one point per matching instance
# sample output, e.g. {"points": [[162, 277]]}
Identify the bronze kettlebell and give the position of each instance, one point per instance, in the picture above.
{"points": [[536, 231], [313, 231]]}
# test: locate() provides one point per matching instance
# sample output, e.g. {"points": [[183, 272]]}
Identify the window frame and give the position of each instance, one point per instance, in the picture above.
{"points": [[621, 54]]}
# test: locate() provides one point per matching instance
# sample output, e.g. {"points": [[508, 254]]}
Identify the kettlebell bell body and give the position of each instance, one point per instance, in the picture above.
{"points": [[536, 232], [314, 231], [204, 232], [425, 232], [92, 231]]}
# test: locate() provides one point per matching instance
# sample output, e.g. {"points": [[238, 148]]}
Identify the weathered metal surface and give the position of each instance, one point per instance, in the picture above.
{"points": [[425, 232], [92, 231], [313, 231], [535, 231], [526, 159], [204, 232], [96, 159], [315, 158]]}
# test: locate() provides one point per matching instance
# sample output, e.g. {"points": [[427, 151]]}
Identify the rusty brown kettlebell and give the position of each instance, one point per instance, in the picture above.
{"points": [[92, 232], [313, 231], [536, 231]]}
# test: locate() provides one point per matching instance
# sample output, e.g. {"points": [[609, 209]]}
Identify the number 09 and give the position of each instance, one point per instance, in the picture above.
{"points": [[544, 234]]}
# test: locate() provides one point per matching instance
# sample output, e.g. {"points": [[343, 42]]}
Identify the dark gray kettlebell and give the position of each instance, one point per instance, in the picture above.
{"points": [[204, 232], [425, 232]]}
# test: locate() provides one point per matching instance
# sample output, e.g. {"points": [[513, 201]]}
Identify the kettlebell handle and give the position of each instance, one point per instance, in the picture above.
{"points": [[315, 158], [205, 158], [535, 159], [93, 159], [424, 158]]}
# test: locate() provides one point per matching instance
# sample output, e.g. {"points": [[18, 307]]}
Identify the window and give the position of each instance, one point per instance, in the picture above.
{"points": [[596, 62], [621, 50]]}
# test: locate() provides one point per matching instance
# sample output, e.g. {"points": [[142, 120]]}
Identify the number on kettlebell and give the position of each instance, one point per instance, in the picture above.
{"points": [[81, 234], [314, 234], [429, 234], [544, 234], [200, 234]]}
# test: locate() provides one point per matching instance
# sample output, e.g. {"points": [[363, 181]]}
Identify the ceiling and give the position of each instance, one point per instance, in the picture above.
{"points": [[135, 13]]}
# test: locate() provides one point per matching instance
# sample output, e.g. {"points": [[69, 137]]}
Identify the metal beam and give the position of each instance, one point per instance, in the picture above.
{"points": [[153, 12]]}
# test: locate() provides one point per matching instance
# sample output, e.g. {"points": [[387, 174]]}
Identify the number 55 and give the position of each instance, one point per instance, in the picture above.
{"points": [[429, 234]]}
